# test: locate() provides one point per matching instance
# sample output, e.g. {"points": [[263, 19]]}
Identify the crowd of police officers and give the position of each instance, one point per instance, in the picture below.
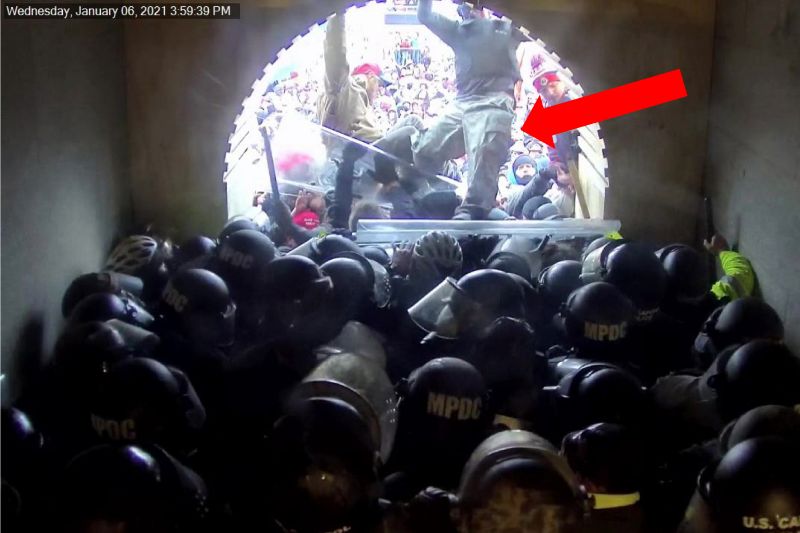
{"points": [[477, 384]]}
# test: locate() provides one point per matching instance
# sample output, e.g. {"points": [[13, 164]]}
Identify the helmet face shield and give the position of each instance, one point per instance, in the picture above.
{"points": [[444, 311]]}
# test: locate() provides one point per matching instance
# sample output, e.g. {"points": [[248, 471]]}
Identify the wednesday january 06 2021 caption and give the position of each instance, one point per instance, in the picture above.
{"points": [[120, 11]]}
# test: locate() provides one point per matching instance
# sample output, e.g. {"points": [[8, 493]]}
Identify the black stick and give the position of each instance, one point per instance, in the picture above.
{"points": [[710, 229], [273, 176], [710, 232]]}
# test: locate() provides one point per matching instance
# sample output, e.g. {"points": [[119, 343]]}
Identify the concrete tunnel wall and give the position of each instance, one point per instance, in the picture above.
{"points": [[753, 169], [65, 188]]}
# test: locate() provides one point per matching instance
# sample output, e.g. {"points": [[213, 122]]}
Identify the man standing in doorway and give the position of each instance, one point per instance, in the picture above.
{"points": [[346, 103], [479, 120]]}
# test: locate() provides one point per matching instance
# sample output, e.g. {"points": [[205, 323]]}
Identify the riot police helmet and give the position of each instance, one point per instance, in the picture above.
{"points": [[235, 224], [142, 488], [737, 322], [102, 306], [756, 485], [597, 317], [87, 284], [763, 421], [558, 281], [760, 372], [198, 304], [141, 399], [520, 467], [193, 248], [687, 273], [241, 259], [634, 269]]}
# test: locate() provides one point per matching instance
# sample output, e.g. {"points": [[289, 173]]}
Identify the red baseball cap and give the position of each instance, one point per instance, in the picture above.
{"points": [[306, 219], [371, 68], [543, 79]]}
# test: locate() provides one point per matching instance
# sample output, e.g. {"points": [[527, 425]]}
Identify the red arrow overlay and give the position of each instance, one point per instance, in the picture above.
{"points": [[543, 123]]}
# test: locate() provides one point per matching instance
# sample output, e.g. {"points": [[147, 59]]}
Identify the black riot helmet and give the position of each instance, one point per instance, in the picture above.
{"points": [[234, 224], [687, 273], [352, 284], [143, 400], [198, 304], [598, 392], [193, 248], [634, 269], [108, 282], [102, 306], [516, 481], [142, 487], [86, 351], [322, 249], [241, 259], [466, 308], [760, 372], [557, 282], [533, 301], [494, 291], [737, 322], [444, 415], [377, 254], [597, 317], [509, 262], [324, 465], [756, 485], [763, 421], [299, 301], [22, 452], [378, 278], [611, 456]]}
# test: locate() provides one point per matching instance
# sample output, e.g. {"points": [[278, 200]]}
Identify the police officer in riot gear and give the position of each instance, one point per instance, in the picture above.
{"points": [[609, 460], [443, 415], [516, 481], [737, 322], [129, 488], [756, 486]]}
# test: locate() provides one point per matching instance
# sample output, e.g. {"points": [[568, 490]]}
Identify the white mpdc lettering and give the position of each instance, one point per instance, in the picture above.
{"points": [[113, 429], [604, 332], [174, 299], [236, 258], [454, 407]]}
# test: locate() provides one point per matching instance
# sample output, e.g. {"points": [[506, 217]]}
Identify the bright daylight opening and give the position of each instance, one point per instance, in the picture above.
{"points": [[418, 83]]}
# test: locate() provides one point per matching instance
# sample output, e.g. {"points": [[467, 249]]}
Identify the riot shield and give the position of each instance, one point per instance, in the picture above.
{"points": [[364, 385], [307, 156]]}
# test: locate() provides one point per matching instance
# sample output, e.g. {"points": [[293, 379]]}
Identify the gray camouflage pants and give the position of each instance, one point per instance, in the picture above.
{"points": [[479, 126]]}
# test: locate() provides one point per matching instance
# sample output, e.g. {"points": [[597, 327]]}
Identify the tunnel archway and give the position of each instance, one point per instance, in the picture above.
{"points": [[244, 169]]}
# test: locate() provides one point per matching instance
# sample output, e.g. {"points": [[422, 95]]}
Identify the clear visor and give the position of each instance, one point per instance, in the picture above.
{"points": [[440, 310], [593, 267], [383, 286]]}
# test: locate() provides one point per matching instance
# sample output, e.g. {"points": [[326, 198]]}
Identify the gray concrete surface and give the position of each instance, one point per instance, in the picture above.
{"points": [[65, 180], [753, 170]]}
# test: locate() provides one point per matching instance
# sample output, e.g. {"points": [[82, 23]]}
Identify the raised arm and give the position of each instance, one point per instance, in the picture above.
{"points": [[337, 69], [444, 28]]}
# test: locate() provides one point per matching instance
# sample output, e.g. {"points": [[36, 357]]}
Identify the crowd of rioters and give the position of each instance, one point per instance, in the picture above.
{"points": [[475, 384]]}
